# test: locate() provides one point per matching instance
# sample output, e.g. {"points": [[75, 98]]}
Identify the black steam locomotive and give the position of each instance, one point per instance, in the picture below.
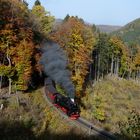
{"points": [[64, 103]]}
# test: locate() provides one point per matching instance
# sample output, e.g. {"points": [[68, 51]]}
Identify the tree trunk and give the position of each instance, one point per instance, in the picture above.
{"points": [[10, 85], [117, 67], [0, 83], [90, 72], [123, 74], [129, 74], [98, 72], [1, 106], [114, 68], [138, 75], [95, 78], [10, 80], [112, 64], [17, 94], [107, 70]]}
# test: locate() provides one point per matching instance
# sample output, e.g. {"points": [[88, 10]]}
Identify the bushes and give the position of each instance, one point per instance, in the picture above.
{"points": [[108, 102], [131, 128], [94, 104]]}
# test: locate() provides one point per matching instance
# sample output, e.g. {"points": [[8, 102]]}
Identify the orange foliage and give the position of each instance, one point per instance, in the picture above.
{"points": [[77, 40], [16, 41]]}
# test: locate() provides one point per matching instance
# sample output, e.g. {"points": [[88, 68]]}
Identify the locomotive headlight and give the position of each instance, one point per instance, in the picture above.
{"points": [[72, 100]]}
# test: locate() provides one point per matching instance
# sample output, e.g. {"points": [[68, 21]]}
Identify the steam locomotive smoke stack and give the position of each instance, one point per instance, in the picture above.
{"points": [[54, 62]]}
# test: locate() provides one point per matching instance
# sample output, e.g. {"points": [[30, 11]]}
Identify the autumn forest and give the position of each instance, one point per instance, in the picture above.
{"points": [[94, 58]]}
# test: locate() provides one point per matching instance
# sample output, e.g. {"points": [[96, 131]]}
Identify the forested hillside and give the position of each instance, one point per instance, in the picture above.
{"points": [[108, 28], [31, 118], [89, 52], [130, 33], [113, 102], [91, 57], [21, 29]]}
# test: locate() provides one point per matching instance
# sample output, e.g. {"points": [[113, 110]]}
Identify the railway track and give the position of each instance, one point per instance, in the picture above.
{"points": [[85, 125]]}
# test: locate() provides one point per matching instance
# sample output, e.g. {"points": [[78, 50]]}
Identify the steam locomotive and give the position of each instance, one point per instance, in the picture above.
{"points": [[60, 101]]}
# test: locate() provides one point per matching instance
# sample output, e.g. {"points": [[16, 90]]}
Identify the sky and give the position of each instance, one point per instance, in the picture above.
{"points": [[106, 12]]}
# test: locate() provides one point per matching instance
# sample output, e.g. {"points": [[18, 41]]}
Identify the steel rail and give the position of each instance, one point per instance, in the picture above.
{"points": [[82, 123]]}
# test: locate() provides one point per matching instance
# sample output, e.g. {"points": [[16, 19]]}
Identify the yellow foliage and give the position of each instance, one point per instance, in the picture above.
{"points": [[77, 40]]}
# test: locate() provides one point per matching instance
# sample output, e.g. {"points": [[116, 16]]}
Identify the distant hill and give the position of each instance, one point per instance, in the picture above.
{"points": [[107, 28], [102, 28], [58, 21], [130, 33]]}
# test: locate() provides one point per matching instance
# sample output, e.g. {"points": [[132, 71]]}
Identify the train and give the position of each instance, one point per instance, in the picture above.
{"points": [[70, 108]]}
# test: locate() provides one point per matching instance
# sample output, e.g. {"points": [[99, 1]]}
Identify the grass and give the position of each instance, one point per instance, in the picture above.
{"points": [[107, 103], [110, 101], [32, 118]]}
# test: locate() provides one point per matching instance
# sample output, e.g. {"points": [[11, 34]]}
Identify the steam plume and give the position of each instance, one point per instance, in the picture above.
{"points": [[54, 62]]}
